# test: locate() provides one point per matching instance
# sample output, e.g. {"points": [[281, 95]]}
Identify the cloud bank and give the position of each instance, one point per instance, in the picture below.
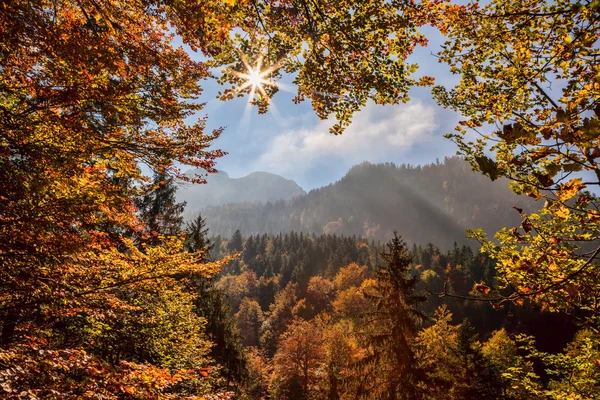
{"points": [[376, 130]]}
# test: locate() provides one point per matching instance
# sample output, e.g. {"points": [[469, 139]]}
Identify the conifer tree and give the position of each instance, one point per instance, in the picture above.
{"points": [[397, 320], [236, 243], [159, 210], [228, 350], [197, 237], [478, 378]]}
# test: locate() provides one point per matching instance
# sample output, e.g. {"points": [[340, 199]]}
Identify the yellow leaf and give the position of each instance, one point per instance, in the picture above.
{"points": [[569, 189], [562, 212]]}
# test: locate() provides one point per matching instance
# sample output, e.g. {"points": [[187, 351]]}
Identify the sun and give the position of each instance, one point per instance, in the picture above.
{"points": [[255, 77]]}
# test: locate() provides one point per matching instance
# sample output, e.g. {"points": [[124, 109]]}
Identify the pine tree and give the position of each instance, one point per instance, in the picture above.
{"points": [[159, 211], [236, 243], [477, 377], [228, 349], [396, 321], [197, 237]]}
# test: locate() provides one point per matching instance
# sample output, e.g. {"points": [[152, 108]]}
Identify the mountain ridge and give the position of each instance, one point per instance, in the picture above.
{"points": [[221, 189], [429, 203]]}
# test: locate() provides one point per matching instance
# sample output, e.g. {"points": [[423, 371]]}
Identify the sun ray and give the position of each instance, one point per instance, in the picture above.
{"points": [[255, 77]]}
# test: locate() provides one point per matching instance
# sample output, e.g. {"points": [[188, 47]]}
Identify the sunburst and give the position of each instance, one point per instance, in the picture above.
{"points": [[255, 77]]}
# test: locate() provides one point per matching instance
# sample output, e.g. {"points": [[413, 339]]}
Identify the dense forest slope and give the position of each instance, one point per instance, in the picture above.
{"points": [[431, 203], [315, 315], [221, 189]]}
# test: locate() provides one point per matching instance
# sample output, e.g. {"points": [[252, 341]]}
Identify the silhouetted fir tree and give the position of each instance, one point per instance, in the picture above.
{"points": [[236, 243], [398, 318], [476, 377], [158, 209], [197, 237]]}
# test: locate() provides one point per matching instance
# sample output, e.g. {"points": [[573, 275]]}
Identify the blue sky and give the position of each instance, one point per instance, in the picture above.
{"points": [[291, 141]]}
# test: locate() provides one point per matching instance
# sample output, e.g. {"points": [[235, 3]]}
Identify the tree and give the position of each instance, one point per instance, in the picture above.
{"points": [[343, 353], [236, 243], [395, 321], [131, 323], [227, 349], [259, 372], [296, 363], [197, 237], [518, 376], [249, 321], [159, 211], [352, 275], [453, 364], [327, 37], [281, 312], [477, 378], [434, 354], [87, 94], [102, 92], [530, 69], [574, 373], [319, 293]]}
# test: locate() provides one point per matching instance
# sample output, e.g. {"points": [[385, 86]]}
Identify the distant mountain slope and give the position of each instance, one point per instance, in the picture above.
{"points": [[221, 189], [433, 203]]}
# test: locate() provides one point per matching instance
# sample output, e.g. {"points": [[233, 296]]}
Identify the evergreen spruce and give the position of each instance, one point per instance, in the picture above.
{"points": [[159, 211], [398, 319], [197, 238]]}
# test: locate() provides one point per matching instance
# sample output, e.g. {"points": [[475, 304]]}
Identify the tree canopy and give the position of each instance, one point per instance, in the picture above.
{"points": [[91, 92]]}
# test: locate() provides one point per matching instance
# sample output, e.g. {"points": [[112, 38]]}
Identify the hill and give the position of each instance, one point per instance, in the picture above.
{"points": [[221, 189], [431, 203]]}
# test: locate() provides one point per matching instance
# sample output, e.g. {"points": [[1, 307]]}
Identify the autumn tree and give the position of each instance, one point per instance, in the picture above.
{"points": [[573, 373], [340, 367], [477, 378], [453, 364], [280, 313], [517, 373], [88, 93], [529, 87], [249, 320], [434, 355], [259, 373], [319, 293], [296, 363], [351, 275]]}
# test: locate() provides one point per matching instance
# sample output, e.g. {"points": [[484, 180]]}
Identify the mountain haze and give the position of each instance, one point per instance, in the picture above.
{"points": [[222, 189], [430, 203]]}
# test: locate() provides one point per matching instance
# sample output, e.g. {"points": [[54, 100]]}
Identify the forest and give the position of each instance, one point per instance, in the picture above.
{"points": [[430, 203], [107, 292]]}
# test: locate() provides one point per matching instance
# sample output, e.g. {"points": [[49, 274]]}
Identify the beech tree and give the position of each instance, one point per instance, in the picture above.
{"points": [[529, 86], [296, 363]]}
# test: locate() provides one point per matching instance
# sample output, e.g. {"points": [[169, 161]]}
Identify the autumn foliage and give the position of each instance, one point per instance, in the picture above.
{"points": [[99, 297]]}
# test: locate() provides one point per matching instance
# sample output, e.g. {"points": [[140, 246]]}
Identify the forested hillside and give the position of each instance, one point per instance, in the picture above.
{"points": [[337, 317], [430, 203], [222, 189]]}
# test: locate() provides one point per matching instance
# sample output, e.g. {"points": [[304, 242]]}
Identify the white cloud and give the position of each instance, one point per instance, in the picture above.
{"points": [[375, 132]]}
